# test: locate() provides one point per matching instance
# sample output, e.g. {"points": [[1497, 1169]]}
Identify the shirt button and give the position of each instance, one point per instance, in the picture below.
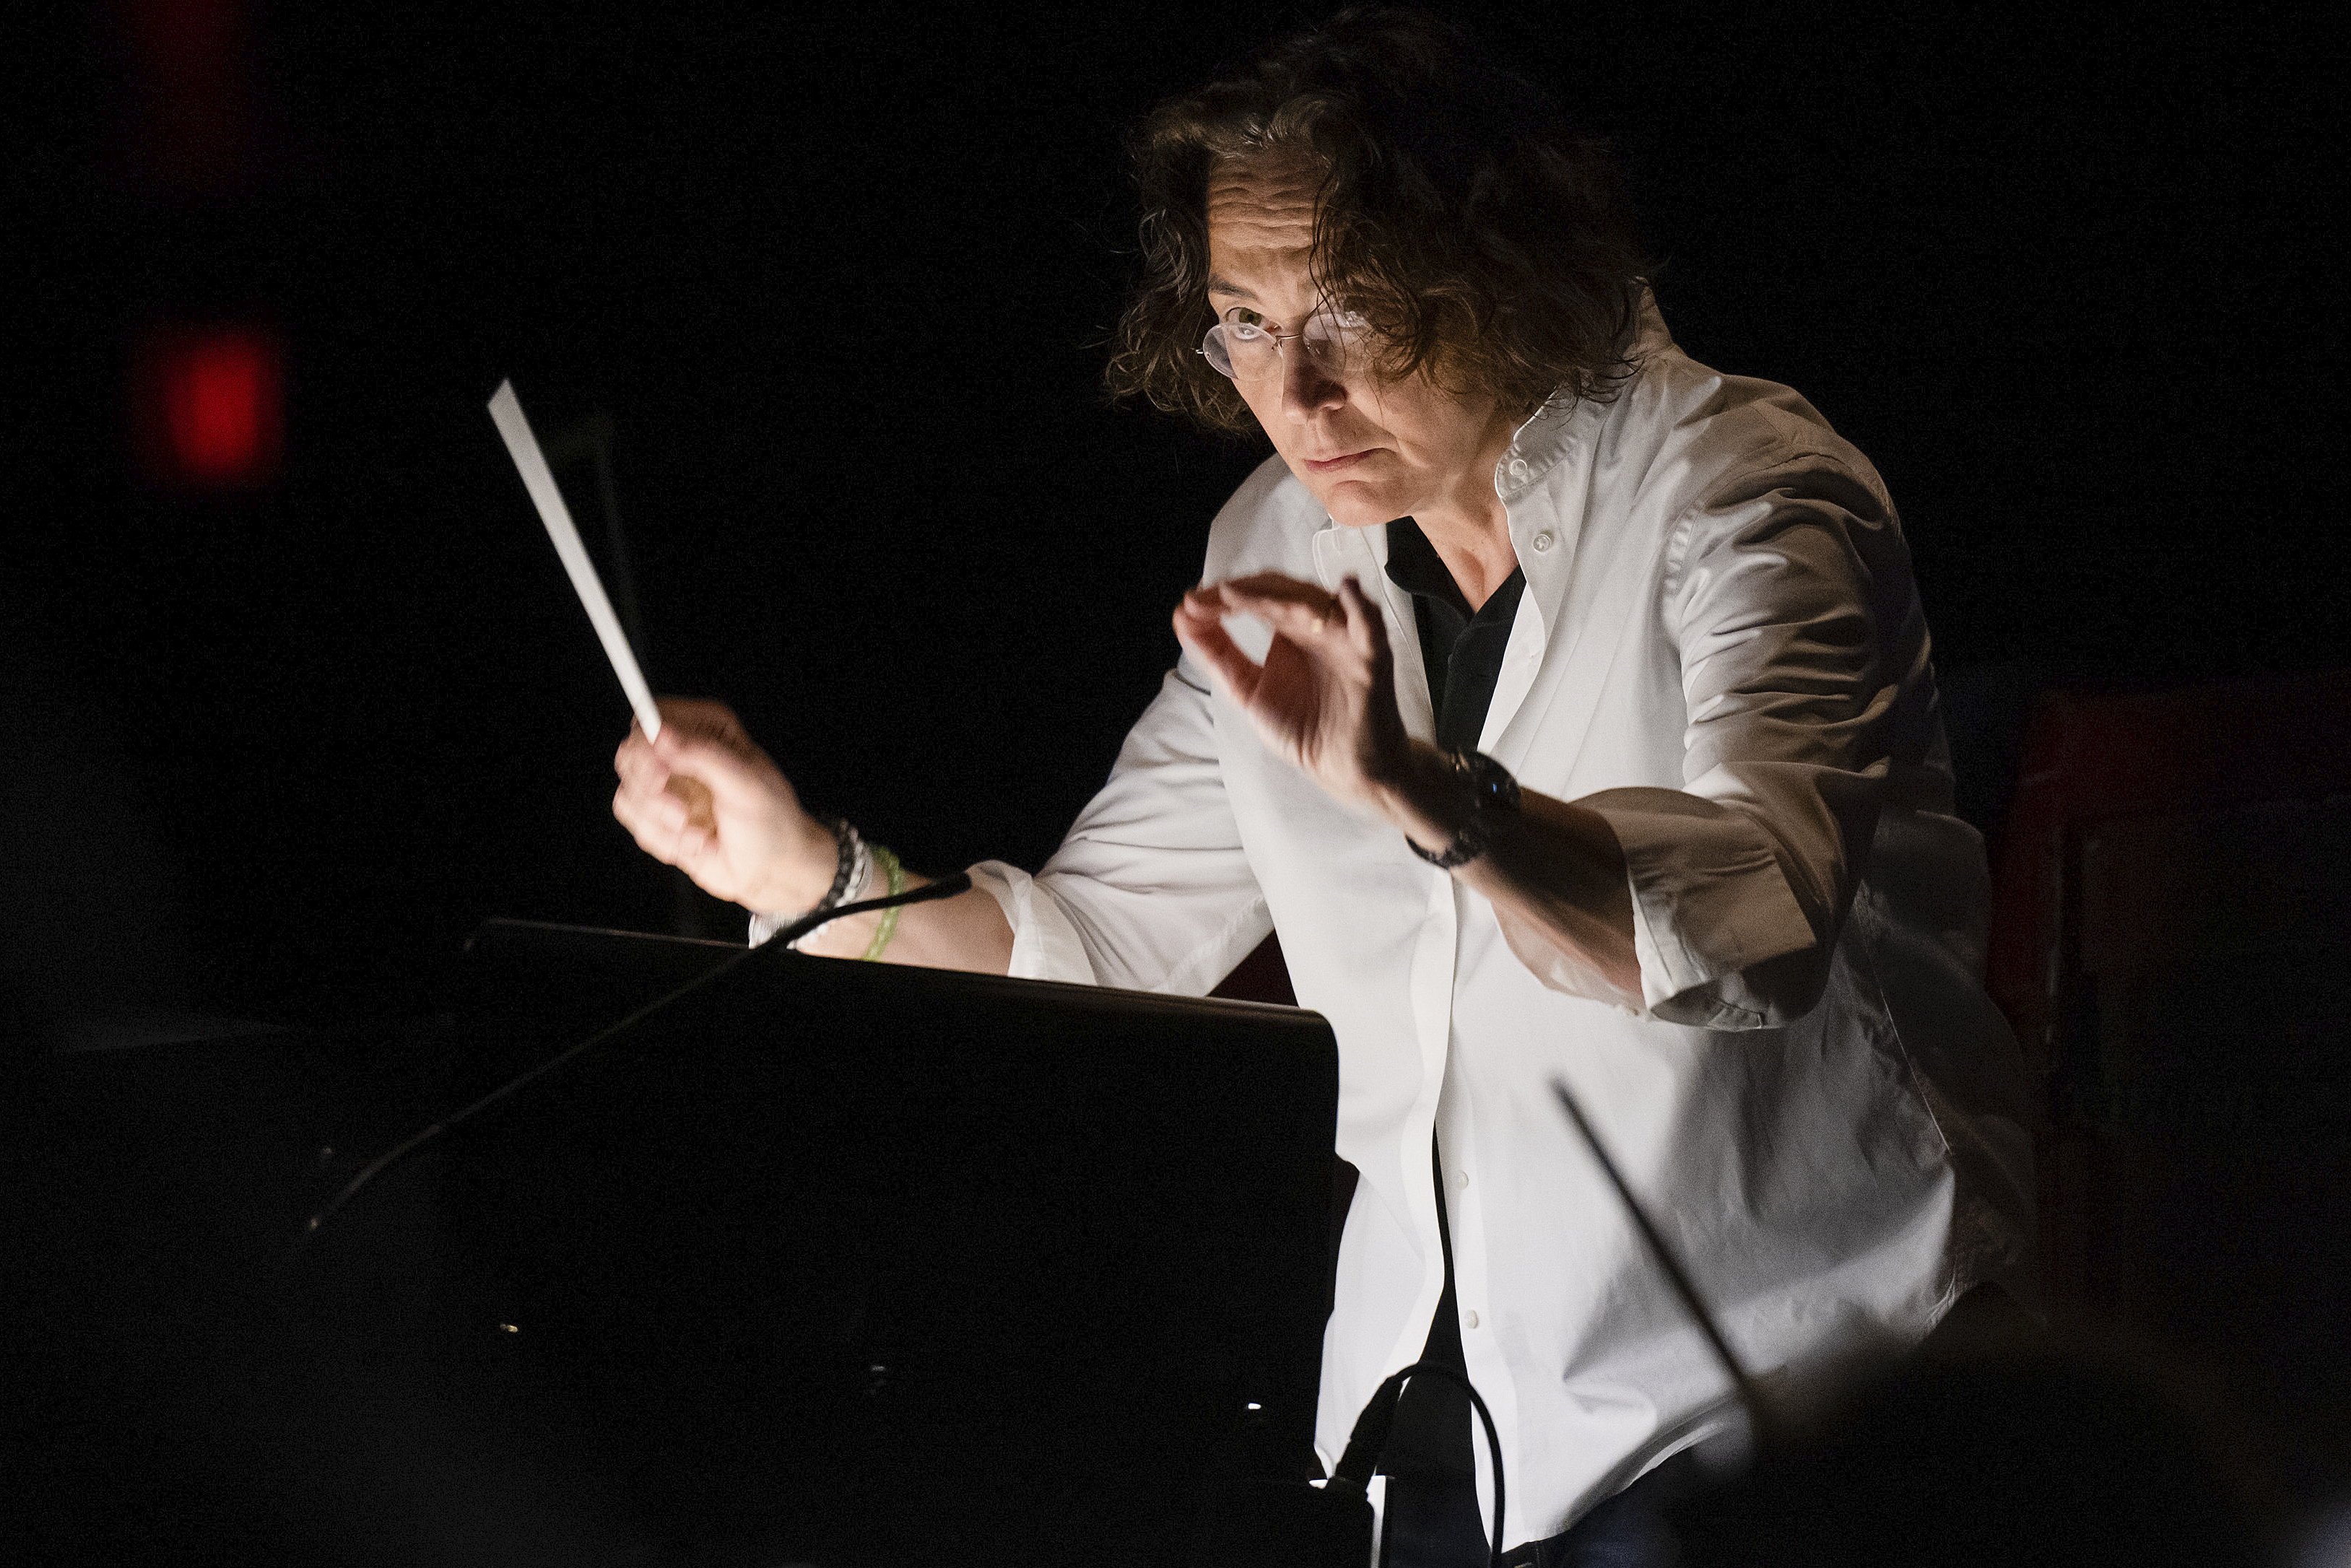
{"points": [[1542, 541], [1517, 468], [1473, 1320], [1461, 1179]]}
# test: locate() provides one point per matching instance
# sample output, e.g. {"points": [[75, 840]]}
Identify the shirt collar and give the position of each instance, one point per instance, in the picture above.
{"points": [[1564, 420]]}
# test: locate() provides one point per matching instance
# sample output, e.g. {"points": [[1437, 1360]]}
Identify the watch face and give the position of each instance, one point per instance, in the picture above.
{"points": [[1491, 789], [1495, 787]]}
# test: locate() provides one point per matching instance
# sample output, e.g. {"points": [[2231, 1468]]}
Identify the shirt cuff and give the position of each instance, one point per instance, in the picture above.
{"points": [[1045, 946], [1709, 903]]}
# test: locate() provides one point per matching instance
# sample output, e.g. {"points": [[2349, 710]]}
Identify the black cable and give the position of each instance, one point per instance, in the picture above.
{"points": [[947, 887], [1353, 1470], [1370, 1437]]}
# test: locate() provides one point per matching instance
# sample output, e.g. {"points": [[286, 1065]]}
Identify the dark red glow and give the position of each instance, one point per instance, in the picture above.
{"points": [[216, 395], [209, 406]]}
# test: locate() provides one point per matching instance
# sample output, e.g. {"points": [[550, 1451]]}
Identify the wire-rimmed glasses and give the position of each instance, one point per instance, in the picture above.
{"points": [[1247, 353]]}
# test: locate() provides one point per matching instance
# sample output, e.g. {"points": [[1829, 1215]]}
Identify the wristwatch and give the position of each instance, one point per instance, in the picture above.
{"points": [[1493, 795]]}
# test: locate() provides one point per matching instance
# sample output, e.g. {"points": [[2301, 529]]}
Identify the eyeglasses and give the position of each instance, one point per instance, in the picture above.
{"points": [[1333, 340]]}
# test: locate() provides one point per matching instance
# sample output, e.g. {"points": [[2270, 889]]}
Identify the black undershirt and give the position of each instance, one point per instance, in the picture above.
{"points": [[1462, 651]]}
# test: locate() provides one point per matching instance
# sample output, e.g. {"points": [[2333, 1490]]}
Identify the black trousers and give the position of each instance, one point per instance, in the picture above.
{"points": [[1436, 1524], [1432, 1520]]}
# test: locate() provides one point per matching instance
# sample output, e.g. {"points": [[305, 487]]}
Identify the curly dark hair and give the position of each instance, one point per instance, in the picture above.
{"points": [[1484, 238]]}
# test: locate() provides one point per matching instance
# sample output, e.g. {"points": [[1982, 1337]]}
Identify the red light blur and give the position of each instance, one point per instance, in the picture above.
{"points": [[208, 406]]}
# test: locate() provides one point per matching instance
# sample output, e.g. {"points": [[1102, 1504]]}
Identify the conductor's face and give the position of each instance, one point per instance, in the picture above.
{"points": [[1369, 448]]}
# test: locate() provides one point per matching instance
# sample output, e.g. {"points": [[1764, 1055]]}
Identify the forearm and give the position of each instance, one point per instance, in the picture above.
{"points": [[1552, 870], [967, 931]]}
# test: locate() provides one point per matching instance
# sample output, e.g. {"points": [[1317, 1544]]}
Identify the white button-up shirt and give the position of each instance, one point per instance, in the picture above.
{"points": [[1720, 650]]}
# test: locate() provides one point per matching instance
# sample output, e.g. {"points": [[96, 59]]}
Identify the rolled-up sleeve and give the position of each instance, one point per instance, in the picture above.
{"points": [[1803, 660], [1151, 890], [1045, 946]]}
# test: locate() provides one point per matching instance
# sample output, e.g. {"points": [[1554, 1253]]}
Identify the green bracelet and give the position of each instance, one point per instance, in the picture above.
{"points": [[888, 864]]}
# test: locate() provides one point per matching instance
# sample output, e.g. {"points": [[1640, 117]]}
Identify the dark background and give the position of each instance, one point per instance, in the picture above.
{"points": [[836, 282], [837, 279]]}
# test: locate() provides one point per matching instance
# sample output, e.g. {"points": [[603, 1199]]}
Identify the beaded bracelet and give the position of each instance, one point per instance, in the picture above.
{"points": [[847, 846], [889, 867], [855, 865]]}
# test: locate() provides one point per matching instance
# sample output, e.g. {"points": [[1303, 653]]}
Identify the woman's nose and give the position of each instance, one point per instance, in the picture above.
{"points": [[1307, 386]]}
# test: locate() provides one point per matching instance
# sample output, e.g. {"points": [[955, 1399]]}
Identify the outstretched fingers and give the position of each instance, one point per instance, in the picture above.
{"points": [[1200, 627], [1306, 614], [1299, 610], [1343, 628]]}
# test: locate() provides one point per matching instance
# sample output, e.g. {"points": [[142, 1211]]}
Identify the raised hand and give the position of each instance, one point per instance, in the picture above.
{"points": [[705, 799], [1325, 696]]}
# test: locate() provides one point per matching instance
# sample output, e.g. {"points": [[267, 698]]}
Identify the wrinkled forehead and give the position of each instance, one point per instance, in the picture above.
{"points": [[1264, 201]]}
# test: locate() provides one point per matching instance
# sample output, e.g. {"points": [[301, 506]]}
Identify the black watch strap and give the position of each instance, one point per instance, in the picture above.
{"points": [[1493, 794]]}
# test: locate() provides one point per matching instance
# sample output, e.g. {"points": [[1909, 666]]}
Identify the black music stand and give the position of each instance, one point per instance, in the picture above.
{"points": [[839, 1264]]}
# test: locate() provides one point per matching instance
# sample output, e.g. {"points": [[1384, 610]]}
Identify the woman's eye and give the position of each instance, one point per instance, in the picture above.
{"points": [[1244, 329]]}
